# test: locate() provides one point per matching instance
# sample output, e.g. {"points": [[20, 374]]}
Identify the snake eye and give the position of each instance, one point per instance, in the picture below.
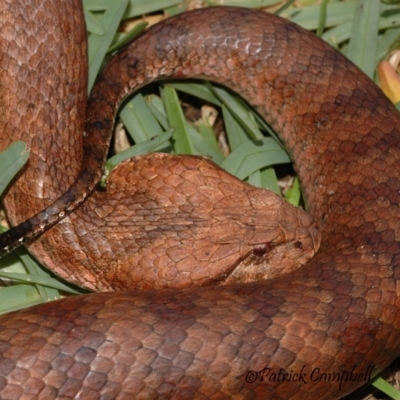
{"points": [[260, 249], [298, 245]]}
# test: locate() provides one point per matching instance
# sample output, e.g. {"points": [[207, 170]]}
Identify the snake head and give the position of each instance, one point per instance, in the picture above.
{"points": [[193, 224], [277, 238]]}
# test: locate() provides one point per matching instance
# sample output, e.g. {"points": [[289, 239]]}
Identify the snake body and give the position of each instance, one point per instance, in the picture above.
{"points": [[339, 314], [161, 214]]}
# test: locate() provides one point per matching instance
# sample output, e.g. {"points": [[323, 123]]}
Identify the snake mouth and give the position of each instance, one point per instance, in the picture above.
{"points": [[263, 262]]}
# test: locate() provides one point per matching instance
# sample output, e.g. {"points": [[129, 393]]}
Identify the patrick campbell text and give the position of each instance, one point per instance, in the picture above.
{"points": [[268, 374]]}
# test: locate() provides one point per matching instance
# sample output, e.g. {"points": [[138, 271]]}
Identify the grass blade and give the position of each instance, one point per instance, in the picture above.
{"points": [[364, 37], [181, 139], [98, 44], [12, 160]]}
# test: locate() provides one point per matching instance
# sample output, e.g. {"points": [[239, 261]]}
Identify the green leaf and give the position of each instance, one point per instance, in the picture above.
{"points": [[48, 281], [283, 8], [98, 44], [241, 112], [156, 106], [252, 156], [139, 120], [128, 37], [138, 149], [181, 139], [386, 388], [141, 7], [293, 195], [12, 160], [93, 25], [243, 3], [200, 90], [18, 296], [269, 180], [364, 37], [203, 147], [308, 17], [322, 18], [234, 131], [208, 135]]}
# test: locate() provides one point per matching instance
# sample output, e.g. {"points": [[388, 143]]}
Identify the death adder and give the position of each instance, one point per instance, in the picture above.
{"points": [[320, 331]]}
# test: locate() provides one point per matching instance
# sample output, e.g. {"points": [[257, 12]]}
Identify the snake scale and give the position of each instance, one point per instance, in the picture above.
{"points": [[277, 339]]}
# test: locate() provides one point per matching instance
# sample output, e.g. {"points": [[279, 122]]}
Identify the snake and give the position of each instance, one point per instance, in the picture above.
{"points": [[318, 332], [180, 206]]}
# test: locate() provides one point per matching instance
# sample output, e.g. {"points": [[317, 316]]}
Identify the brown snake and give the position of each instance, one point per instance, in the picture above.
{"points": [[338, 314], [161, 214]]}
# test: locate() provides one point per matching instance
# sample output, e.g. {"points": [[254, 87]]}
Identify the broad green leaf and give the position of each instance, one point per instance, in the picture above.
{"points": [[364, 37], [18, 296], [200, 90], [48, 281], [293, 195], [181, 139], [139, 149], [241, 112], [157, 108], [386, 388], [93, 25], [252, 156], [234, 131], [202, 147], [308, 17], [12, 160], [242, 3], [99, 44], [139, 120], [269, 180], [141, 7]]}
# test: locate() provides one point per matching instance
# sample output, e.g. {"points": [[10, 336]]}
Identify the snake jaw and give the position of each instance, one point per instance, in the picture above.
{"points": [[273, 252], [265, 261]]}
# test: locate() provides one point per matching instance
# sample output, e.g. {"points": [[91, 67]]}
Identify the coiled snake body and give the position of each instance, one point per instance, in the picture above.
{"points": [[338, 314]]}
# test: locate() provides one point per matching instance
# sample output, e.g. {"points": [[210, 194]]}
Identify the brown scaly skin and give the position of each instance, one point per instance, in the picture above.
{"points": [[163, 224], [338, 314]]}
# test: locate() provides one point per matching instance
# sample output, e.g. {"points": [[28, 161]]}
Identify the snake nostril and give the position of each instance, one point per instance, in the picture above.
{"points": [[298, 245]]}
